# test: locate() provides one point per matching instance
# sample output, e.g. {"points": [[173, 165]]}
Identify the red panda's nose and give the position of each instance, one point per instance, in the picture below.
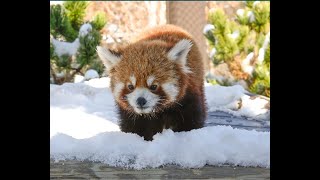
{"points": [[141, 101]]}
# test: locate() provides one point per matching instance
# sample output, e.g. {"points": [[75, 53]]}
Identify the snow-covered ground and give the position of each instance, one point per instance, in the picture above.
{"points": [[83, 125]]}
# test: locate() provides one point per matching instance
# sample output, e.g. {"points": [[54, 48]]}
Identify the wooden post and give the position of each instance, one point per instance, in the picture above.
{"points": [[190, 15]]}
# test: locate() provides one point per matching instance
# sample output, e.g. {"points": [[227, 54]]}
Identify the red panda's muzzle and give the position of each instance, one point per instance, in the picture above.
{"points": [[142, 100]]}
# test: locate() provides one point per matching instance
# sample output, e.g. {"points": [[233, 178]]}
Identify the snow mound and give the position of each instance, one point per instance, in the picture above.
{"points": [[78, 78], [236, 101], [81, 111], [91, 74], [216, 145], [103, 82]]}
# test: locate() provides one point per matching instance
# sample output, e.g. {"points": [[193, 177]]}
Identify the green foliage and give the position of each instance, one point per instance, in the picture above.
{"points": [[97, 65], [261, 74], [60, 26], [267, 56], [243, 37], [261, 87], [243, 20], [65, 22], [261, 83], [76, 12], [53, 57], [219, 20], [261, 12], [249, 4], [87, 56], [217, 82], [260, 39], [99, 21], [221, 37], [235, 39], [64, 62], [213, 82], [51, 51], [209, 35], [87, 50]]}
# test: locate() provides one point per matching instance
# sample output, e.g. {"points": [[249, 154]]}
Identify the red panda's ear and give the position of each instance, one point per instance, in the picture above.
{"points": [[179, 53], [108, 57]]}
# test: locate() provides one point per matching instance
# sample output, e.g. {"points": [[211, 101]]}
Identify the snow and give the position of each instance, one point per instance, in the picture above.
{"points": [[99, 83], [84, 125], [263, 48], [216, 145], [78, 78], [207, 28], [65, 48], [266, 41], [245, 64], [56, 2], [85, 29], [212, 52], [227, 98], [240, 12], [80, 110], [91, 74], [251, 16], [261, 55], [103, 82], [70, 48], [235, 34]]}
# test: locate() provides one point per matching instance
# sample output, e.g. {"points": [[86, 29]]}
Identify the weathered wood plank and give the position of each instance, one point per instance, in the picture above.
{"points": [[240, 122], [92, 170]]}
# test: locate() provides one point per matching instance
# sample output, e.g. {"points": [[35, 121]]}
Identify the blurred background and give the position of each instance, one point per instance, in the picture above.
{"points": [[233, 37]]}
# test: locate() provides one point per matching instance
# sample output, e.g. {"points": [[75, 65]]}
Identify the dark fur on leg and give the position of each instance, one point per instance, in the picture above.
{"points": [[191, 115]]}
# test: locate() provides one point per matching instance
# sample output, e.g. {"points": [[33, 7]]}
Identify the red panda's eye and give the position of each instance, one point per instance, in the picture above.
{"points": [[130, 87], [153, 87]]}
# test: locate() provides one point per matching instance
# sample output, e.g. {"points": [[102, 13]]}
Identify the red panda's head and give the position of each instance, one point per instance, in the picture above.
{"points": [[148, 76]]}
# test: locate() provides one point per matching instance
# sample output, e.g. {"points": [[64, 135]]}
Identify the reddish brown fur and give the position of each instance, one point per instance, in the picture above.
{"points": [[148, 56], [135, 59]]}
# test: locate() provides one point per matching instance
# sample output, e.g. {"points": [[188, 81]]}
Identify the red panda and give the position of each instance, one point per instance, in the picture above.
{"points": [[157, 82]]}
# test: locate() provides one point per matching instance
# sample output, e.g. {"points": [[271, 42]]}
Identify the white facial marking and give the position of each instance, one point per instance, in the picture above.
{"points": [[117, 89], [179, 54], [171, 90], [186, 69], [150, 80], [151, 99], [133, 80]]}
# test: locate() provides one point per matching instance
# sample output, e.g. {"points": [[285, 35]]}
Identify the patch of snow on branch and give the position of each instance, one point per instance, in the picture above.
{"points": [[85, 29], [65, 48]]}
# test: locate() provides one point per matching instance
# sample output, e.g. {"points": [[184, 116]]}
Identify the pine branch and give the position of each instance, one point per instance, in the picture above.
{"points": [[77, 70]]}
